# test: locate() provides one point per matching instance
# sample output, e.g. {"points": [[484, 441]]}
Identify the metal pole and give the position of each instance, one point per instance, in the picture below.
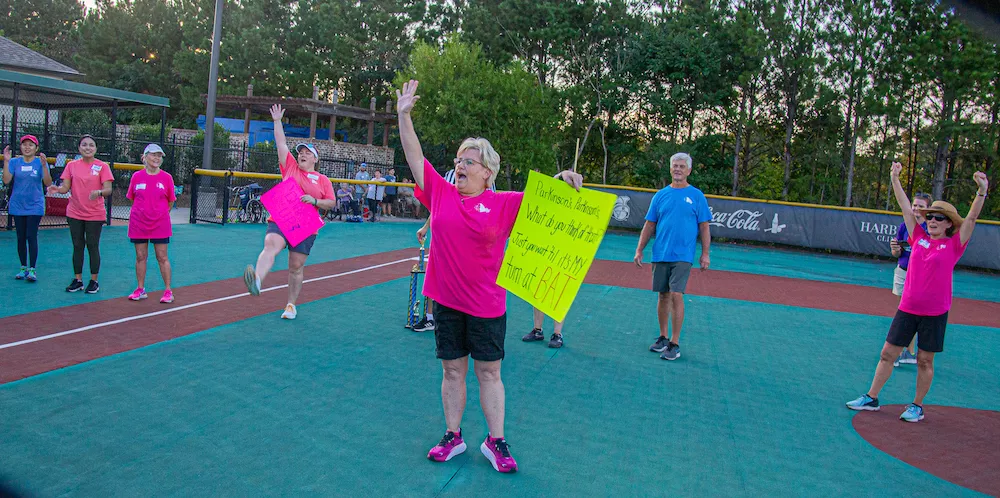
{"points": [[13, 116], [213, 80]]}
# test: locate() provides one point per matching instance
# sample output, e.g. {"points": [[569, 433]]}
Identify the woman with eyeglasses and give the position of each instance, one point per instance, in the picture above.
{"points": [[923, 309], [471, 225], [901, 249], [88, 181]]}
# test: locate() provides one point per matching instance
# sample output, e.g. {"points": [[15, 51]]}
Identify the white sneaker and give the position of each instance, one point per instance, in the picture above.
{"points": [[290, 312]]}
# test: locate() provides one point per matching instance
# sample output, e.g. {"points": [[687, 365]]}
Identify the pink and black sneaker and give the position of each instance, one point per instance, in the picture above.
{"points": [[450, 446], [498, 452]]}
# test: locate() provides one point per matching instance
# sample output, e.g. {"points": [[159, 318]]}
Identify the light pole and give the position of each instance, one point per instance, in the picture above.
{"points": [[213, 80]]}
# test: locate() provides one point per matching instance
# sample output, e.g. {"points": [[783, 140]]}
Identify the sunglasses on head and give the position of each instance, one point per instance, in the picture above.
{"points": [[936, 217]]}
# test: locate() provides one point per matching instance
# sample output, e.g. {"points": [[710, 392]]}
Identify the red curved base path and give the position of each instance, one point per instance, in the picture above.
{"points": [[958, 445], [18, 362]]}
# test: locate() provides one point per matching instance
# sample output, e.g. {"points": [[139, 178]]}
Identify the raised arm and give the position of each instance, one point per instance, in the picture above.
{"points": [[7, 175], [46, 174], [279, 133], [902, 199], [647, 232], [407, 135], [977, 205]]}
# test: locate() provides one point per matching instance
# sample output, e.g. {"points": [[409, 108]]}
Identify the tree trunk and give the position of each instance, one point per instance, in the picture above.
{"points": [[739, 145], [605, 144], [943, 144], [852, 153], [789, 129]]}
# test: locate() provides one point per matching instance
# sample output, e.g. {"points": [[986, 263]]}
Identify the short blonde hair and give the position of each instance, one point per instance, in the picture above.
{"points": [[490, 157]]}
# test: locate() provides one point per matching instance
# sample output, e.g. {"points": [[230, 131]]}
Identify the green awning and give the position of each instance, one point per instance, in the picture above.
{"points": [[39, 92]]}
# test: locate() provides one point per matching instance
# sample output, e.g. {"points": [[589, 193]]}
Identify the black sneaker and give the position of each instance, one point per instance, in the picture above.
{"points": [[74, 286], [555, 341], [534, 335], [672, 352], [93, 287], [660, 345], [424, 325]]}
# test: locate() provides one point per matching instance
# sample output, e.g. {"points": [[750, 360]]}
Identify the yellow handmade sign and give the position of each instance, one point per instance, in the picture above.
{"points": [[553, 243]]}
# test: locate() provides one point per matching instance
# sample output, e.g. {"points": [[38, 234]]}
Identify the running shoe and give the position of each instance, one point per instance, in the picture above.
{"points": [[450, 446], [672, 352], [31, 277], [534, 335], [498, 452], [168, 297], [907, 358], [250, 278], [913, 413], [555, 341], [290, 312], [23, 274], [864, 403], [898, 360], [138, 294], [660, 345], [93, 287], [424, 325], [75, 285]]}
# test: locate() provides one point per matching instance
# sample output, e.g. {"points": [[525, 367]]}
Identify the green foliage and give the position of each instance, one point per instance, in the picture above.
{"points": [[45, 26], [263, 158], [464, 95], [222, 158]]}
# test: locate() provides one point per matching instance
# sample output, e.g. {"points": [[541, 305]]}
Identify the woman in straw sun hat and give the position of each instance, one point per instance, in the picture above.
{"points": [[923, 310]]}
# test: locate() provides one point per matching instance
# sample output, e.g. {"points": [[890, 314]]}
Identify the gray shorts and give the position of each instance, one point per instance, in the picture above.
{"points": [[303, 248], [671, 277]]}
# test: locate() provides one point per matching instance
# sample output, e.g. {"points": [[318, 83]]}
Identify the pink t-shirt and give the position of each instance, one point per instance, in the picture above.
{"points": [[85, 178], [313, 183], [151, 196], [927, 291], [470, 234]]}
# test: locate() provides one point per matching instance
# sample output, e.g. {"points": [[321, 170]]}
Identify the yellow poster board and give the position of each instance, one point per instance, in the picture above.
{"points": [[553, 243]]}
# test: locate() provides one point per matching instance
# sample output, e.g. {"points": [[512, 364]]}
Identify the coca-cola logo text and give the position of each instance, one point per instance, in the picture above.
{"points": [[741, 219]]}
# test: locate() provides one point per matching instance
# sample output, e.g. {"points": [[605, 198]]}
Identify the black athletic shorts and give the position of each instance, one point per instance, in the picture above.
{"points": [[671, 277], [303, 248], [458, 334], [151, 241], [929, 331]]}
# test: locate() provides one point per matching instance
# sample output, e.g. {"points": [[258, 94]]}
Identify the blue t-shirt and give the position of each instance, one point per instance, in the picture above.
{"points": [[902, 235], [27, 197], [677, 213], [390, 190]]}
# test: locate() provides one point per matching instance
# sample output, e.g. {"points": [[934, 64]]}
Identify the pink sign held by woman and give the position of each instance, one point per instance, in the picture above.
{"points": [[296, 219]]}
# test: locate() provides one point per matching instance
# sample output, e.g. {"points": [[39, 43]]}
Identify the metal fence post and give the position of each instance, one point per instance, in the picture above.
{"points": [[194, 199], [225, 197]]}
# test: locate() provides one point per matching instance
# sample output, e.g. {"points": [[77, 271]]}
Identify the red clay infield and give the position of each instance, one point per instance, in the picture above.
{"points": [[958, 445], [107, 339]]}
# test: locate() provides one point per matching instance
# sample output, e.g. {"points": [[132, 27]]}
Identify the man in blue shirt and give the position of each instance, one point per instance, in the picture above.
{"points": [[679, 216]]}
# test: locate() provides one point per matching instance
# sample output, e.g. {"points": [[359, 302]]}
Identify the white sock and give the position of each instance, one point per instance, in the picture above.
{"points": [[430, 316]]}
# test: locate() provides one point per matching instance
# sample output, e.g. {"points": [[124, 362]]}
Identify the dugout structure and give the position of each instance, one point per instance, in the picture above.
{"points": [[36, 105]]}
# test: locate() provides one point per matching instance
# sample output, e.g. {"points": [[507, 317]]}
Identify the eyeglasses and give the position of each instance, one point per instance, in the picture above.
{"points": [[466, 162], [936, 217]]}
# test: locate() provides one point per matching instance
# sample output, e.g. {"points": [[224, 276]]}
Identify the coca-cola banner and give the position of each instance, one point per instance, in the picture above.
{"points": [[811, 227]]}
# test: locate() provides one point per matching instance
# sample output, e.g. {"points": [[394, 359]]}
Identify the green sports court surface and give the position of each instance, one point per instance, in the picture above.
{"points": [[345, 401]]}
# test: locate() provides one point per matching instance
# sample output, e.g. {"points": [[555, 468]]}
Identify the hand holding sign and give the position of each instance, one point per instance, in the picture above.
{"points": [[296, 220], [553, 243]]}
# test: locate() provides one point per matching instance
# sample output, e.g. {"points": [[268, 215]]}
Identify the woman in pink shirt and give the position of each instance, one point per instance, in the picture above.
{"points": [[88, 182], [471, 224], [151, 191], [317, 192], [923, 309]]}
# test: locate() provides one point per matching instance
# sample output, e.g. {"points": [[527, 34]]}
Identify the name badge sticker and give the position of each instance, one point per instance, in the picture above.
{"points": [[25, 169], [140, 186]]}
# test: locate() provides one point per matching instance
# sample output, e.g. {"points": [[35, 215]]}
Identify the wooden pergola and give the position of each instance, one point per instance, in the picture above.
{"points": [[315, 109]]}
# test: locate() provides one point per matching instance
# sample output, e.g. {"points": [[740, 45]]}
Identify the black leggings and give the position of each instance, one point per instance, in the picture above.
{"points": [[86, 233], [27, 238]]}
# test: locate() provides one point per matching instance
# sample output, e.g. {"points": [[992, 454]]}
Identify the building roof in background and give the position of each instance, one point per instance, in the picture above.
{"points": [[17, 57]]}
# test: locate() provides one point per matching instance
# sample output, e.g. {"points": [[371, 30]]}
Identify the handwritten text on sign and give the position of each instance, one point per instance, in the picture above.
{"points": [[553, 243], [296, 219]]}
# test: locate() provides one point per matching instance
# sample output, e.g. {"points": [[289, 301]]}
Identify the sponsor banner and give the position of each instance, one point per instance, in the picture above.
{"points": [[809, 227]]}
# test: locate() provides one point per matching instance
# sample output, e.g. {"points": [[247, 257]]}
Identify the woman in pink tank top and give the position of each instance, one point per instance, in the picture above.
{"points": [[923, 310]]}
